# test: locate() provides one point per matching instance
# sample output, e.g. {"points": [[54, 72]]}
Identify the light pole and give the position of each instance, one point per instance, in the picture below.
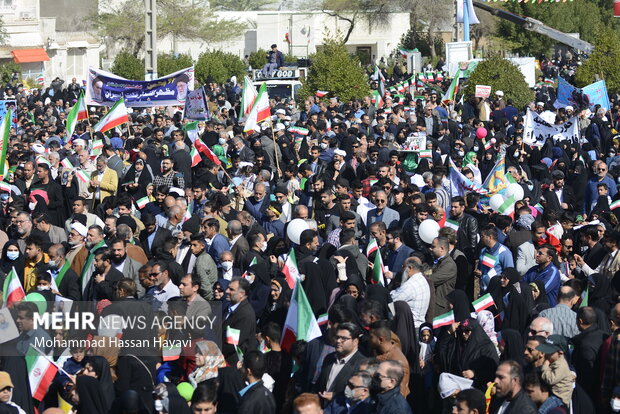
{"points": [[150, 25]]}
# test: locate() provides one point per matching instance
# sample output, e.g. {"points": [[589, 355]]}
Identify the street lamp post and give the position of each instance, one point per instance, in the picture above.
{"points": [[150, 25]]}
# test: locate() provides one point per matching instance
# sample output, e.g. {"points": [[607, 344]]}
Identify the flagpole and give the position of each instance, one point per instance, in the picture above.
{"points": [[275, 148]]}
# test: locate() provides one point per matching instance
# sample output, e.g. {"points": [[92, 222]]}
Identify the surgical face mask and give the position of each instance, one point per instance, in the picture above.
{"points": [[264, 246], [461, 154], [349, 393], [11, 255], [476, 148], [250, 278], [43, 288], [227, 266], [31, 206], [221, 141], [323, 145], [615, 405], [52, 264]]}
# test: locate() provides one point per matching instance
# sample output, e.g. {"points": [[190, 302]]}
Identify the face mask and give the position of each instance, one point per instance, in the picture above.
{"points": [[615, 405], [249, 278], [31, 206], [375, 386], [323, 145], [264, 246], [221, 141], [227, 266], [291, 106], [461, 153], [348, 393], [43, 288], [476, 148], [159, 405], [52, 264], [12, 255]]}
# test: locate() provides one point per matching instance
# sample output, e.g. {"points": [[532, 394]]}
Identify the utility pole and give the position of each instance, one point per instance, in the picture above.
{"points": [[150, 25]]}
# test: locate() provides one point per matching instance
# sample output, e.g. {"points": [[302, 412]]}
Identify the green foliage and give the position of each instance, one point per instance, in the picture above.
{"points": [[335, 71], [581, 17], [415, 38], [240, 5], [258, 59], [168, 63], [127, 65], [218, 66], [502, 75], [7, 70], [603, 62]]}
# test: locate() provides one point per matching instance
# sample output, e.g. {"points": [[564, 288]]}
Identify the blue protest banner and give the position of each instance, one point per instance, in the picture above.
{"points": [[587, 97]]}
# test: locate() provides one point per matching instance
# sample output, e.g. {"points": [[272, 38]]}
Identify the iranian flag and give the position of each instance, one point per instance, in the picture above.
{"points": [[4, 186], [483, 302], [253, 262], [83, 176], [171, 353], [142, 202], [401, 87], [488, 145], [443, 320], [440, 76], [191, 129], [508, 206], [12, 291], [300, 322], [377, 99], [453, 224], [372, 247], [321, 94], [248, 96], [585, 298], [195, 156], [97, 147], [450, 94], [5, 131], [232, 336], [77, 113], [377, 270], [489, 260], [202, 147], [323, 319], [67, 163], [430, 76], [290, 270], [116, 116], [421, 77], [43, 160], [41, 372], [426, 153], [260, 110], [614, 205], [299, 130]]}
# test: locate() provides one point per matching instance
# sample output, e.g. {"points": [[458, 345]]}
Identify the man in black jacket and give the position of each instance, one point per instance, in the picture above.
{"points": [[340, 365], [559, 197], [587, 345], [240, 316], [255, 398], [510, 398], [467, 234]]}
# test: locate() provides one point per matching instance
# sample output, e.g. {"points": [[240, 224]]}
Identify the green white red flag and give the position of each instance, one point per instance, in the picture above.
{"points": [[483, 302], [300, 322], [5, 133], [232, 336], [614, 205], [142, 202], [260, 110], [290, 270], [4, 186], [12, 291], [450, 94], [67, 163], [372, 247], [83, 175], [116, 116], [202, 147], [195, 156], [77, 113], [248, 96], [443, 320], [41, 372], [377, 270], [489, 260]]}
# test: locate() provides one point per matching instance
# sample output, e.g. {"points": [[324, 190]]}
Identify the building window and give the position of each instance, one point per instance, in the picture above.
{"points": [[7, 4]]}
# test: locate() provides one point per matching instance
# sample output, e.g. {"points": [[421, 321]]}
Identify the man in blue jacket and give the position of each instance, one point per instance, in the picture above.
{"points": [[386, 382], [275, 60]]}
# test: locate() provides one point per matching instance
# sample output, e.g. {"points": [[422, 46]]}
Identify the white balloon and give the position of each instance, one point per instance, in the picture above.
{"points": [[295, 228], [496, 201], [429, 230], [515, 190]]}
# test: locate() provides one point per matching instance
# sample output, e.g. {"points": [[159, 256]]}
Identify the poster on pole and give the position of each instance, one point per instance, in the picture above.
{"points": [[586, 97], [483, 91], [104, 89], [196, 105], [5, 105], [536, 130]]}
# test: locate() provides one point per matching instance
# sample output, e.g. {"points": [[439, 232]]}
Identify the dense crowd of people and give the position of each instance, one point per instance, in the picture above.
{"points": [[139, 224]]}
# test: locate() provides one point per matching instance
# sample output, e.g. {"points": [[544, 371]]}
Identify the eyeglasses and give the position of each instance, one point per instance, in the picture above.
{"points": [[342, 338], [381, 201], [353, 387], [534, 332], [380, 376], [602, 170], [154, 274]]}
